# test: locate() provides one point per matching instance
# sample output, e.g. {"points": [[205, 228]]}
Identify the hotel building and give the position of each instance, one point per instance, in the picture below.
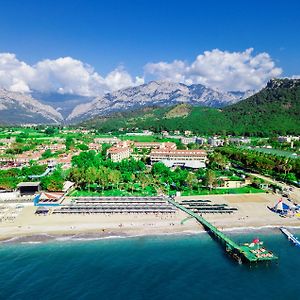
{"points": [[188, 158], [117, 154]]}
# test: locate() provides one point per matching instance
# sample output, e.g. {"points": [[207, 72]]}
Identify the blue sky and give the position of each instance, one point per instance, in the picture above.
{"points": [[128, 35]]}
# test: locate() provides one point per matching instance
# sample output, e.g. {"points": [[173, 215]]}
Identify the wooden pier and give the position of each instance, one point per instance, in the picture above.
{"points": [[250, 253]]}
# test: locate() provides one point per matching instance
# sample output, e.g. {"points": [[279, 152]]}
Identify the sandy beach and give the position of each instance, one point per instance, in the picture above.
{"points": [[252, 213]]}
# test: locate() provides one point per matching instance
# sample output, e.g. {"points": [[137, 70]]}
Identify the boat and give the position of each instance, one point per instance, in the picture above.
{"points": [[290, 236]]}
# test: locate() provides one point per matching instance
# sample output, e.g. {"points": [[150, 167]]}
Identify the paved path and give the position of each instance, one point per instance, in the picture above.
{"points": [[294, 195]]}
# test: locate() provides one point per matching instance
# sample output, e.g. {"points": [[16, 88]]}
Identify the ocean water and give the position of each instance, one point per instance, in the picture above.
{"points": [[165, 267]]}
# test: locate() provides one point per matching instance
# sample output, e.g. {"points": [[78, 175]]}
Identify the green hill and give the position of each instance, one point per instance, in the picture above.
{"points": [[273, 110]]}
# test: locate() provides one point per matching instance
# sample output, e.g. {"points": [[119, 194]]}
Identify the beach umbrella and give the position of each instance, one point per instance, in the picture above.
{"points": [[256, 241]]}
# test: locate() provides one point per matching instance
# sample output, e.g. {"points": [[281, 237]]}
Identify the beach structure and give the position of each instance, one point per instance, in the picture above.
{"points": [[113, 205], [290, 236], [48, 199], [248, 252], [42, 210], [29, 188], [283, 209], [205, 207]]}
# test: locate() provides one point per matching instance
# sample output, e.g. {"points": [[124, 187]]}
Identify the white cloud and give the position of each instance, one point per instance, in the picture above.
{"points": [[219, 69], [63, 75], [119, 79]]}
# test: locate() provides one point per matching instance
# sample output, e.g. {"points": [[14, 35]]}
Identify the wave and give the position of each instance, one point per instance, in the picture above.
{"points": [[44, 237]]}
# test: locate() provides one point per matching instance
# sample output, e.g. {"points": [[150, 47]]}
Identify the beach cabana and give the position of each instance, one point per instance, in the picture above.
{"points": [[41, 210]]}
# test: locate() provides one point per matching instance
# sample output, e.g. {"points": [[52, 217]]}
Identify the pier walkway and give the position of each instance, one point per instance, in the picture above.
{"points": [[242, 253]]}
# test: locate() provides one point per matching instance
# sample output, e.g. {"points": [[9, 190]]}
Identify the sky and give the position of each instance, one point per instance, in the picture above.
{"points": [[91, 47]]}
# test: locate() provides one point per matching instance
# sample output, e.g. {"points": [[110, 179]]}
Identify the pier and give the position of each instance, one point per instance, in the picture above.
{"points": [[249, 253], [290, 236]]}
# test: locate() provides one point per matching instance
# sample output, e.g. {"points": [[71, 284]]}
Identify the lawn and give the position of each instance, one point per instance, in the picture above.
{"points": [[242, 190], [150, 192], [272, 151], [111, 193]]}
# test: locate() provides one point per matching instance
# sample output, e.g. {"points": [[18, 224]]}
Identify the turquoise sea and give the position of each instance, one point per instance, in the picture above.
{"points": [[165, 267]]}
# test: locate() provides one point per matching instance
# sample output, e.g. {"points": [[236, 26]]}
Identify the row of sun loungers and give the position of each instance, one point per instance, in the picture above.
{"points": [[213, 211], [195, 201], [75, 210], [205, 204], [119, 202], [107, 205], [204, 207], [119, 198]]}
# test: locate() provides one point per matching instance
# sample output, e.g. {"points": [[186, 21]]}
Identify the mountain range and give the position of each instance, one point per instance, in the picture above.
{"points": [[19, 108], [53, 108], [273, 110], [164, 105], [154, 93]]}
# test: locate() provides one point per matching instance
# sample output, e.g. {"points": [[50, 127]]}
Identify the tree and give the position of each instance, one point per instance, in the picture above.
{"points": [[50, 130], [47, 154], [114, 177], [191, 180], [69, 143], [54, 182], [160, 169], [104, 149], [102, 177], [83, 147], [210, 179], [218, 159], [91, 175]]}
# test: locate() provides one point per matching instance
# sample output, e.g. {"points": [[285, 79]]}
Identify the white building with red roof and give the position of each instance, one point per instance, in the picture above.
{"points": [[188, 158]]}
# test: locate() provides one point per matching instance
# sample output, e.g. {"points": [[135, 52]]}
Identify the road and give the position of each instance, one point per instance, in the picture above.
{"points": [[294, 195]]}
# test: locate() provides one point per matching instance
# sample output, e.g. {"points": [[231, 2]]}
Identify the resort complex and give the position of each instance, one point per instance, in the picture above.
{"points": [[145, 183]]}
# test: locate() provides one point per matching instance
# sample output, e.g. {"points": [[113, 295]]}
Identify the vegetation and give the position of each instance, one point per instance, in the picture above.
{"points": [[272, 111], [11, 177], [274, 165], [55, 181], [96, 175]]}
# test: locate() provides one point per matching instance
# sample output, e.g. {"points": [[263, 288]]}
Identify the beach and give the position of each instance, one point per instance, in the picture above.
{"points": [[252, 212]]}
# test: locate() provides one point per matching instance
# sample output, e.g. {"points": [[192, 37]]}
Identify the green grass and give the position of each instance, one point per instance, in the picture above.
{"points": [[120, 193], [110, 193], [139, 138], [276, 152], [242, 190]]}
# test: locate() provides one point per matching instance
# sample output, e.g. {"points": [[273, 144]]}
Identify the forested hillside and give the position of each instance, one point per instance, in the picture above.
{"points": [[273, 110]]}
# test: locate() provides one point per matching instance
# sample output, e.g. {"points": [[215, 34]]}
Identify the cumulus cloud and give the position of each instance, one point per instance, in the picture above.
{"points": [[64, 75], [219, 69], [295, 77]]}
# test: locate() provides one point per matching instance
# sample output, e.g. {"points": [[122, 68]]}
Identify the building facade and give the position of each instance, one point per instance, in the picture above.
{"points": [[117, 154], [187, 158]]}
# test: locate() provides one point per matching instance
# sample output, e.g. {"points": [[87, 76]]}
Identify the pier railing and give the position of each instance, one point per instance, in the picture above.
{"points": [[239, 252]]}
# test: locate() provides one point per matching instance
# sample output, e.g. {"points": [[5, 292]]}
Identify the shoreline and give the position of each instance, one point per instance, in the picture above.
{"points": [[252, 215], [41, 238]]}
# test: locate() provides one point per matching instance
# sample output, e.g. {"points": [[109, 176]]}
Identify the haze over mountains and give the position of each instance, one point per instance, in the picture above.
{"points": [[53, 108]]}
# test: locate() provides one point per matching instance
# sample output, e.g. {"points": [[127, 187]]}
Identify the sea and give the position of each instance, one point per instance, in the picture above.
{"points": [[154, 267]]}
